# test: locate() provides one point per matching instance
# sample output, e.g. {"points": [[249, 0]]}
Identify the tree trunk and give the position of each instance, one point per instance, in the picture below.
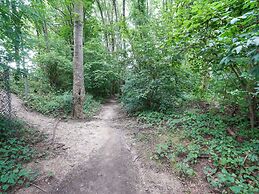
{"points": [[147, 6], [16, 18], [45, 33], [124, 23], [103, 21], [26, 86], [252, 101], [115, 10], [78, 71], [117, 36]]}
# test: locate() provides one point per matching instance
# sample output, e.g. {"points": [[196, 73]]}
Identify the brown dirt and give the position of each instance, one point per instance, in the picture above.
{"points": [[99, 156]]}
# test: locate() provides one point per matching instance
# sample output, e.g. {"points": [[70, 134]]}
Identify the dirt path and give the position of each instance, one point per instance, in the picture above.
{"points": [[98, 157]]}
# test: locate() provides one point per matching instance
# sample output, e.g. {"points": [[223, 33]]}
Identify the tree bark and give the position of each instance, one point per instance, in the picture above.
{"points": [[78, 70]]}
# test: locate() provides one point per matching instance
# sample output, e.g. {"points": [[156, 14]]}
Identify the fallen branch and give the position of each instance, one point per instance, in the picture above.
{"points": [[38, 187], [232, 133], [204, 156], [245, 159], [135, 158]]}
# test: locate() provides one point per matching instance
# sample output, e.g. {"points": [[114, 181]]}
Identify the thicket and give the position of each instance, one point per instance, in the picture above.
{"points": [[195, 50], [199, 51]]}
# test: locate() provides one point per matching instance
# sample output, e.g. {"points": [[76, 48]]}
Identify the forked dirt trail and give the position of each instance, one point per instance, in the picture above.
{"points": [[97, 159]]}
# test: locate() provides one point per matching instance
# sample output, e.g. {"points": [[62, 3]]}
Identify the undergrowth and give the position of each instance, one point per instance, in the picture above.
{"points": [[60, 104], [16, 149], [44, 99], [232, 160]]}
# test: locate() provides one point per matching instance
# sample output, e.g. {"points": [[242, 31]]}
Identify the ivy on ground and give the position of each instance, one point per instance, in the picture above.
{"points": [[15, 150], [231, 158]]}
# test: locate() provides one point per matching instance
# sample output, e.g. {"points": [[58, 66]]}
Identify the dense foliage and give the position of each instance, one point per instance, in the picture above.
{"points": [[208, 49], [161, 54]]}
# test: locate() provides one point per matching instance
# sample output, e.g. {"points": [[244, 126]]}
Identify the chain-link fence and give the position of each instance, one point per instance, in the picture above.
{"points": [[5, 93]]}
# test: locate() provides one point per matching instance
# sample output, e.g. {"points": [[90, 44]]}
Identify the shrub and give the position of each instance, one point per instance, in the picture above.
{"points": [[160, 92], [60, 104], [101, 70], [55, 64]]}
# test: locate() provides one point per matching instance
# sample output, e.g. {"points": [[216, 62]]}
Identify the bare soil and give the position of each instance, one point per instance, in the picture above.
{"points": [[96, 157]]}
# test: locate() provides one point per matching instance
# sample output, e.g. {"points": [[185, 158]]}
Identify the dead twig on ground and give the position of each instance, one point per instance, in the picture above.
{"points": [[38, 187], [245, 159], [135, 158]]}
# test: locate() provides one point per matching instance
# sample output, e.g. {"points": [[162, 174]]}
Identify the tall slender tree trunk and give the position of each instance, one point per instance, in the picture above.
{"points": [[103, 21], [252, 101], [78, 71], [45, 33], [17, 41], [124, 23], [124, 11], [109, 16], [118, 42]]}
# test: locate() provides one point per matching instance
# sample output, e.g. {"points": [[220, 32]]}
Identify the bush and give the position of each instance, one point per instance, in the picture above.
{"points": [[101, 70], [60, 104], [162, 90], [141, 92], [58, 70], [91, 106], [55, 64], [51, 104]]}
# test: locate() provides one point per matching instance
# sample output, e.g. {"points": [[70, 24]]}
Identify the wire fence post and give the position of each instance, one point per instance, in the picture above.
{"points": [[5, 93]]}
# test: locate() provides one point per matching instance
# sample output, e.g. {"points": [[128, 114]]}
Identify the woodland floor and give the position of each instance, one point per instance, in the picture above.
{"points": [[99, 156]]}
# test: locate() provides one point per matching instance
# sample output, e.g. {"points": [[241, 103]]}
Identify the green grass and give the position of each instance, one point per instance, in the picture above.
{"points": [[16, 149], [232, 161]]}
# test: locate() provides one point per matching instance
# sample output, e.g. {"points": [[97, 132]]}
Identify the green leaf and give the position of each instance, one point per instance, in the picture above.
{"points": [[223, 161], [20, 182], [3, 179], [238, 49], [234, 20], [236, 189], [5, 187], [11, 180], [256, 58], [225, 60], [256, 40]]}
